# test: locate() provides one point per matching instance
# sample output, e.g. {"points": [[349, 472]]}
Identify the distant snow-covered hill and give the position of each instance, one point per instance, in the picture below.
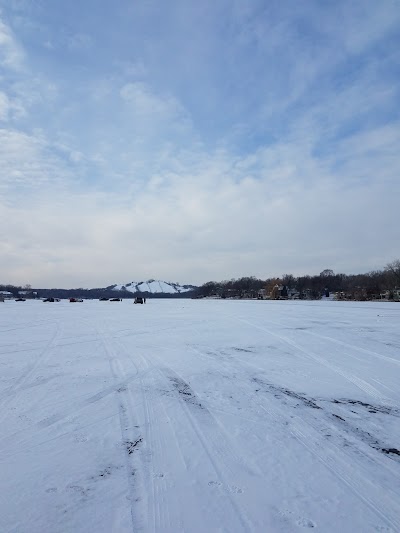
{"points": [[153, 286]]}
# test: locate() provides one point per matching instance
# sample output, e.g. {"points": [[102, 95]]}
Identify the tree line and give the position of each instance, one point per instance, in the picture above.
{"points": [[371, 283]]}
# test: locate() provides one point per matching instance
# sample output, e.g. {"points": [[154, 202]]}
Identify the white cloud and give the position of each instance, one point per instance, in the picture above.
{"points": [[10, 108], [216, 216], [144, 102], [4, 106], [11, 55], [27, 161]]}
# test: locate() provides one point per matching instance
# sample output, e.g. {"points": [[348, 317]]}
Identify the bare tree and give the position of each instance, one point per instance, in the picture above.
{"points": [[326, 273], [393, 269], [289, 280]]}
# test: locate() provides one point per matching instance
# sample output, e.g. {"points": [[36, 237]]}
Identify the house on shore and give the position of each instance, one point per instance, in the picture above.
{"points": [[391, 294], [6, 295]]}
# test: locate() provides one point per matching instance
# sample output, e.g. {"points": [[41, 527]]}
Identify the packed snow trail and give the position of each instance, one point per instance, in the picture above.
{"points": [[191, 415]]}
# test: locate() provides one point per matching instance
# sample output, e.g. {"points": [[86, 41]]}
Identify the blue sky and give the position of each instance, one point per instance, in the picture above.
{"points": [[190, 141]]}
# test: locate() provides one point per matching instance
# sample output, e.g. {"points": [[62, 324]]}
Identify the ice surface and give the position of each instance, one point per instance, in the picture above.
{"points": [[199, 416]]}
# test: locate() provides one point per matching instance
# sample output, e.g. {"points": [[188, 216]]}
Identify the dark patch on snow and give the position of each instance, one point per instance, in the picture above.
{"points": [[243, 350], [365, 437], [371, 408], [131, 446], [278, 391], [81, 491], [388, 451], [185, 390], [339, 417], [106, 472]]}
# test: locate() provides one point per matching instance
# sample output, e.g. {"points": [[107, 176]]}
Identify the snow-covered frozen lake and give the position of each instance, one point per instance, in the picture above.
{"points": [[199, 416]]}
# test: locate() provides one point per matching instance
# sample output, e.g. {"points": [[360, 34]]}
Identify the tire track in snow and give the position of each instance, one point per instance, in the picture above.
{"points": [[74, 409], [213, 447], [341, 343], [367, 453], [246, 366], [353, 347], [11, 393], [26, 326], [358, 382], [383, 503], [218, 437], [222, 442], [31, 446], [211, 453], [158, 513], [160, 516], [130, 435], [347, 468], [214, 443]]}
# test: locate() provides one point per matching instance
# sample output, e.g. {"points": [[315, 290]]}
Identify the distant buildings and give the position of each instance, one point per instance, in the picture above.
{"points": [[278, 292], [5, 295]]}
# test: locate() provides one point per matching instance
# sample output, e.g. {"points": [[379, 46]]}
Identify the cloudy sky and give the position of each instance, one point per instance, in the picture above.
{"points": [[193, 141]]}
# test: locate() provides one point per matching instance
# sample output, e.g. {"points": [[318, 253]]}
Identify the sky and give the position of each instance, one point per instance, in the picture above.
{"points": [[194, 141]]}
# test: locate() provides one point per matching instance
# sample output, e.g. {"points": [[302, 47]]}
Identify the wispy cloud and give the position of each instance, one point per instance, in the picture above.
{"points": [[11, 55]]}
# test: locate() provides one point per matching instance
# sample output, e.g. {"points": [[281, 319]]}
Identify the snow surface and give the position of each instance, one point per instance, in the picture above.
{"points": [[199, 416], [153, 286]]}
